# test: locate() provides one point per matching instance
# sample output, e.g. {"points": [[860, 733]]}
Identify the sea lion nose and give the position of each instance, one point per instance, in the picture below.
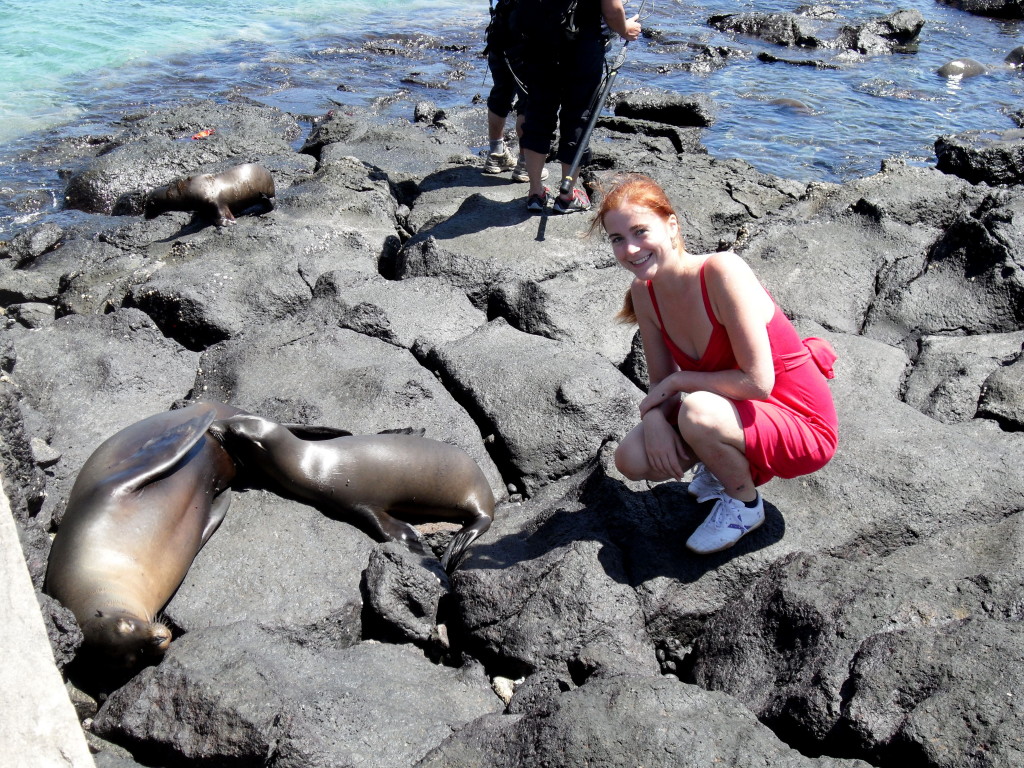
{"points": [[161, 638]]}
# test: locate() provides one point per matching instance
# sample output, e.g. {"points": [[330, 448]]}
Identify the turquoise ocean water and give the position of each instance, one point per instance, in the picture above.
{"points": [[58, 57], [73, 68]]}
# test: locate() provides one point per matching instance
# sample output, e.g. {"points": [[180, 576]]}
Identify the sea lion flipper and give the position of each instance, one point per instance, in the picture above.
{"points": [[159, 455], [456, 551], [459, 544], [316, 432], [223, 215], [383, 526], [218, 509], [414, 431]]}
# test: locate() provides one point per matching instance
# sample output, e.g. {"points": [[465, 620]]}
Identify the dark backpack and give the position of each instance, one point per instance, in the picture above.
{"points": [[500, 34], [554, 20]]}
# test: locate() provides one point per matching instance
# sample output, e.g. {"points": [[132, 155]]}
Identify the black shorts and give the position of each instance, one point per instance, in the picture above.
{"points": [[505, 92], [561, 82]]}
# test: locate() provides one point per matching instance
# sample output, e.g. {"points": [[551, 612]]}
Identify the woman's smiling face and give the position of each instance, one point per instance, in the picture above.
{"points": [[640, 238]]}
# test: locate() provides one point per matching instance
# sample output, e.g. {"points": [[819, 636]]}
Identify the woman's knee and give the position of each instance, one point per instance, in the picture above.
{"points": [[630, 462], [705, 414]]}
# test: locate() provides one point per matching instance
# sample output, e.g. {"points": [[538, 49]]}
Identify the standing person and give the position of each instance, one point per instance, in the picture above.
{"points": [[505, 92], [733, 388], [563, 64]]}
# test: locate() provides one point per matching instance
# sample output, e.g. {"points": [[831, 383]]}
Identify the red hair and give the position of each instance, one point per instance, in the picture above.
{"points": [[643, 192], [634, 189]]}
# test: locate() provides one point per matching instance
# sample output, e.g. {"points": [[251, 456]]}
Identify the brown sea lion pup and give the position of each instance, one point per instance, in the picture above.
{"points": [[370, 479], [142, 506], [218, 196]]}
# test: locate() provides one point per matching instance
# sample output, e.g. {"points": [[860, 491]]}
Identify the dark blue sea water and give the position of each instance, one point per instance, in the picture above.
{"points": [[74, 68]]}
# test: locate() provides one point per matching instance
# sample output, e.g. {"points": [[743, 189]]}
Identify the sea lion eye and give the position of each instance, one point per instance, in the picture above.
{"points": [[125, 626]]}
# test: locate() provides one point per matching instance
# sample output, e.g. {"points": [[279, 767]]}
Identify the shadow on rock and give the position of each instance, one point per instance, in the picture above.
{"points": [[478, 213], [590, 568], [200, 220], [651, 527]]}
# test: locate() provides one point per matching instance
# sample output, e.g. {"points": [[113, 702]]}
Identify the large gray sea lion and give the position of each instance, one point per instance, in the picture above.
{"points": [[371, 478], [142, 506], [218, 196]]}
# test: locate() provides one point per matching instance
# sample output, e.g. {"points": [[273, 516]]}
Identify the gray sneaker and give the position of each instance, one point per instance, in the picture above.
{"points": [[519, 173], [499, 162], [578, 202], [730, 520], [537, 203]]}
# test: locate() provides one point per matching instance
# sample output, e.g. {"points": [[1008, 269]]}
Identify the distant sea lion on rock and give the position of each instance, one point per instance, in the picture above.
{"points": [[143, 505], [962, 68], [370, 477], [217, 195]]}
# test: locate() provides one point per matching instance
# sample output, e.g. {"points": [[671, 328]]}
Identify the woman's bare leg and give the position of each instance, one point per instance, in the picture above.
{"points": [[710, 425], [631, 458]]}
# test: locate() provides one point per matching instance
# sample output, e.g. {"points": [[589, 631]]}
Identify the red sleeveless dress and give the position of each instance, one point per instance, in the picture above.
{"points": [[795, 430]]}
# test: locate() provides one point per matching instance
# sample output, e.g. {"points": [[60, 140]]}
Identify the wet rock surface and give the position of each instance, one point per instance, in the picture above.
{"points": [[993, 157], [998, 9], [873, 619], [817, 27]]}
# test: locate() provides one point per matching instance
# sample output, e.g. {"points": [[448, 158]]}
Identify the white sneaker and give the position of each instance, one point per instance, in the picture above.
{"points": [[499, 162], [704, 485], [729, 521]]}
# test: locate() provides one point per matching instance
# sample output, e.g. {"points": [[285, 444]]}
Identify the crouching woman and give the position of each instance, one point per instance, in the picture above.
{"points": [[734, 392]]}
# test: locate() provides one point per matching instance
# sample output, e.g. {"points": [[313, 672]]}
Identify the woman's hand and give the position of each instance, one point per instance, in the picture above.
{"points": [[666, 452], [632, 29], [660, 394], [614, 13]]}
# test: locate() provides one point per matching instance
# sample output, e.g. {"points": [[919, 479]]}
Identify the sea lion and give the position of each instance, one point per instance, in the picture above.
{"points": [[370, 478], [958, 68], [142, 506], [792, 104], [216, 195]]}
